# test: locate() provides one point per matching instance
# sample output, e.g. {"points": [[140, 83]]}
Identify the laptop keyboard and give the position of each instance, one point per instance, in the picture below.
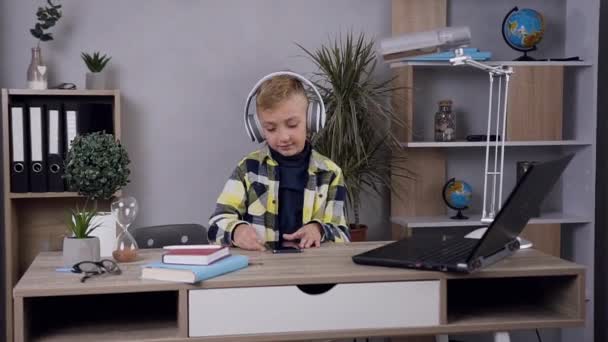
{"points": [[450, 252]]}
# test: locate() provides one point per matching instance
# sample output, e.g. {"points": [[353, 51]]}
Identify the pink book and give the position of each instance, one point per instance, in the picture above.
{"points": [[194, 255]]}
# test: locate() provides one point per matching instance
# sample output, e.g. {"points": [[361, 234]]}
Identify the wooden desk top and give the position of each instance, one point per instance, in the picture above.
{"points": [[331, 263]]}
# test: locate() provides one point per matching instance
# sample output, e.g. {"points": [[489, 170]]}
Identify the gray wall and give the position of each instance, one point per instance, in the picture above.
{"points": [[601, 239], [184, 69]]}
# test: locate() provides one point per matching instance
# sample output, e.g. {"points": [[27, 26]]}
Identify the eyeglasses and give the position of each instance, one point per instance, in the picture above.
{"points": [[93, 268], [67, 86]]}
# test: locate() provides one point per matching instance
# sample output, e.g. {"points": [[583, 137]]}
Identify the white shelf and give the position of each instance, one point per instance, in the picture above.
{"points": [[475, 220], [421, 144], [494, 63]]}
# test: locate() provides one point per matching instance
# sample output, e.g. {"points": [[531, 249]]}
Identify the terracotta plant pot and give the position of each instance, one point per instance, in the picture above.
{"points": [[358, 232]]}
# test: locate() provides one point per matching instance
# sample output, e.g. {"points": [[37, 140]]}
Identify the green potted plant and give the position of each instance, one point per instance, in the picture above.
{"points": [[37, 71], [96, 167], [357, 134], [80, 245], [96, 63]]}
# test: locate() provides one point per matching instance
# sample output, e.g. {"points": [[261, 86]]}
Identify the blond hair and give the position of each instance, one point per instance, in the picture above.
{"points": [[276, 90]]}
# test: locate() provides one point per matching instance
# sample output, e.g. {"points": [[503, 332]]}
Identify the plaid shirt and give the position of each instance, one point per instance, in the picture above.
{"points": [[252, 192]]}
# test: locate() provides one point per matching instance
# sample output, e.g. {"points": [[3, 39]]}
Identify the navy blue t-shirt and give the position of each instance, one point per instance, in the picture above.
{"points": [[292, 173]]}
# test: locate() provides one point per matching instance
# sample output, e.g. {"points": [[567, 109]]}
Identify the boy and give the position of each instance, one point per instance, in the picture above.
{"points": [[285, 191]]}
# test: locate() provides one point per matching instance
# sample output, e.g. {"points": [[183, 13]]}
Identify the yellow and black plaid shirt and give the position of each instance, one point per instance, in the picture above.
{"points": [[251, 196]]}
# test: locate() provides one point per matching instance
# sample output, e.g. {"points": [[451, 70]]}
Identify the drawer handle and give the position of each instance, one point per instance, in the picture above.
{"points": [[315, 289]]}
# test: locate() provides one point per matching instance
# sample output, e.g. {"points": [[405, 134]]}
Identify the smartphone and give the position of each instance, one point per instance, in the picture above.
{"points": [[283, 247]]}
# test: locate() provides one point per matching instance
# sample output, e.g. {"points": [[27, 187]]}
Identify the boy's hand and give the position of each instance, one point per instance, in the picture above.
{"points": [[309, 235], [245, 237]]}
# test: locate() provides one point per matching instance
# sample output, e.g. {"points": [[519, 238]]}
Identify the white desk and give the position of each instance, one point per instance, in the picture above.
{"points": [[264, 302]]}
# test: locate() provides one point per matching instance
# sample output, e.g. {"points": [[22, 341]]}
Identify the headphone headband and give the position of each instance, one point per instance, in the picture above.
{"points": [[254, 128]]}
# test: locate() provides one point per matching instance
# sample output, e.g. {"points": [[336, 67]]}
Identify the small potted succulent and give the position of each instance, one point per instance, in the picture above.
{"points": [[80, 245], [96, 167], [96, 63]]}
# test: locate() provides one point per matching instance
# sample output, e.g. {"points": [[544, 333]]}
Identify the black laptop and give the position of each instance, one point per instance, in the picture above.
{"points": [[462, 254]]}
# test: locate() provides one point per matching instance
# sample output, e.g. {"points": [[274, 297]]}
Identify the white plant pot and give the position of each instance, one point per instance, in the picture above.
{"points": [[106, 232], [96, 80], [77, 250]]}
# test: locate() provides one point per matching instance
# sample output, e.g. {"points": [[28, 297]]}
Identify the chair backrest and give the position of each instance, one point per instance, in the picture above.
{"points": [[171, 234]]}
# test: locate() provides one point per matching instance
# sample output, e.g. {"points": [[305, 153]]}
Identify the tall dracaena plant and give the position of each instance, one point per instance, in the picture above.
{"points": [[357, 135]]}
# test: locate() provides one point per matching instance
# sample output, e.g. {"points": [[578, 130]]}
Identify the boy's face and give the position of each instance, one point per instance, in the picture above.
{"points": [[285, 125]]}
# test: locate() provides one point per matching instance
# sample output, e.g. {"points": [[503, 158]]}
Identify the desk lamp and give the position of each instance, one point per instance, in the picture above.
{"points": [[455, 39], [498, 112]]}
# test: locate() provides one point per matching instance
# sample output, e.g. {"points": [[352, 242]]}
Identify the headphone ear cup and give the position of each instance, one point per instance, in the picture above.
{"points": [[256, 129], [314, 117]]}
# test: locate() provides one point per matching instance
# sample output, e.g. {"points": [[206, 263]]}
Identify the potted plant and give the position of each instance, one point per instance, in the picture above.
{"points": [[357, 134], [96, 78], [96, 167], [37, 71], [80, 245]]}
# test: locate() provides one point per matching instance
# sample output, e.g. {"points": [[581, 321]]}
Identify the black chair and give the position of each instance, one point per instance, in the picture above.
{"points": [[171, 234]]}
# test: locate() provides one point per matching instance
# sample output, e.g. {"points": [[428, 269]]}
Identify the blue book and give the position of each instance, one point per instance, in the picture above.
{"points": [[446, 55], [193, 273]]}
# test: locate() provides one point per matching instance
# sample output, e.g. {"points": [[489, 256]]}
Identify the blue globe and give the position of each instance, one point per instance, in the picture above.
{"points": [[523, 28], [457, 195]]}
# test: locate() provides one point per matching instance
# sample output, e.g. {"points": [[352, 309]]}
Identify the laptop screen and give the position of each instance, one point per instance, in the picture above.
{"points": [[523, 201]]}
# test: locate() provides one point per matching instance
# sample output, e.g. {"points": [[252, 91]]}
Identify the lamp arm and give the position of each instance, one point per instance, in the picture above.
{"points": [[460, 59], [503, 74]]}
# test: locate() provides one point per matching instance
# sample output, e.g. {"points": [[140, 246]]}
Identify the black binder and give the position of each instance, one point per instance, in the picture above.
{"points": [[37, 165], [55, 147], [19, 148], [95, 117], [70, 128], [86, 117]]}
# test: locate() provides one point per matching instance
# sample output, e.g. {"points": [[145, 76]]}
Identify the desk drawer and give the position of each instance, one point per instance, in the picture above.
{"points": [[279, 309]]}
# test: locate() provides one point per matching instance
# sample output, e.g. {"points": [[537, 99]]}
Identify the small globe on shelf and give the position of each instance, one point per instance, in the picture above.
{"points": [[457, 196], [522, 30]]}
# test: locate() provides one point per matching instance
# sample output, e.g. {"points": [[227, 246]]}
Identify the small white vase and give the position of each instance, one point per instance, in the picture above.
{"points": [[77, 250], [106, 232], [37, 71], [96, 80]]}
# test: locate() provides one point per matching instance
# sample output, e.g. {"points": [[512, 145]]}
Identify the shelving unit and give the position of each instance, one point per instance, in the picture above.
{"points": [[35, 222], [452, 144], [552, 112], [475, 220], [399, 64]]}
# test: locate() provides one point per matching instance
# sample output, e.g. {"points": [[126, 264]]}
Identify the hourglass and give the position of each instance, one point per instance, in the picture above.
{"points": [[124, 211]]}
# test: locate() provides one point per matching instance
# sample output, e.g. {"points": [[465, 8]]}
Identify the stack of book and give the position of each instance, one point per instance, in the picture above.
{"points": [[193, 263]]}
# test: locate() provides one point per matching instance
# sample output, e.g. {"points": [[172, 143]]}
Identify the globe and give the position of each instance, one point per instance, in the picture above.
{"points": [[457, 195], [522, 29]]}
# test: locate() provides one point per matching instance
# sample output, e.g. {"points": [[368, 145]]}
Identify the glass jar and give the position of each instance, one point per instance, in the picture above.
{"points": [[36, 72], [445, 122]]}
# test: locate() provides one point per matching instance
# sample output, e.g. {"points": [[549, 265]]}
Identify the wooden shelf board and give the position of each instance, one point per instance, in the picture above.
{"points": [[112, 331], [399, 64], [475, 220], [62, 92], [518, 314], [66, 194], [435, 144]]}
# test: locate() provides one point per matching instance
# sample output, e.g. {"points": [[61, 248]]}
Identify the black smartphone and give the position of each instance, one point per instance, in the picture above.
{"points": [[283, 247]]}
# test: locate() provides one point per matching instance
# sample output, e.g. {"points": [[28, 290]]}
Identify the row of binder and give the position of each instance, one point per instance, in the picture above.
{"points": [[40, 137]]}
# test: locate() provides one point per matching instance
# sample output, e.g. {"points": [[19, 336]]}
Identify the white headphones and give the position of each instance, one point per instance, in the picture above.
{"points": [[315, 114]]}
